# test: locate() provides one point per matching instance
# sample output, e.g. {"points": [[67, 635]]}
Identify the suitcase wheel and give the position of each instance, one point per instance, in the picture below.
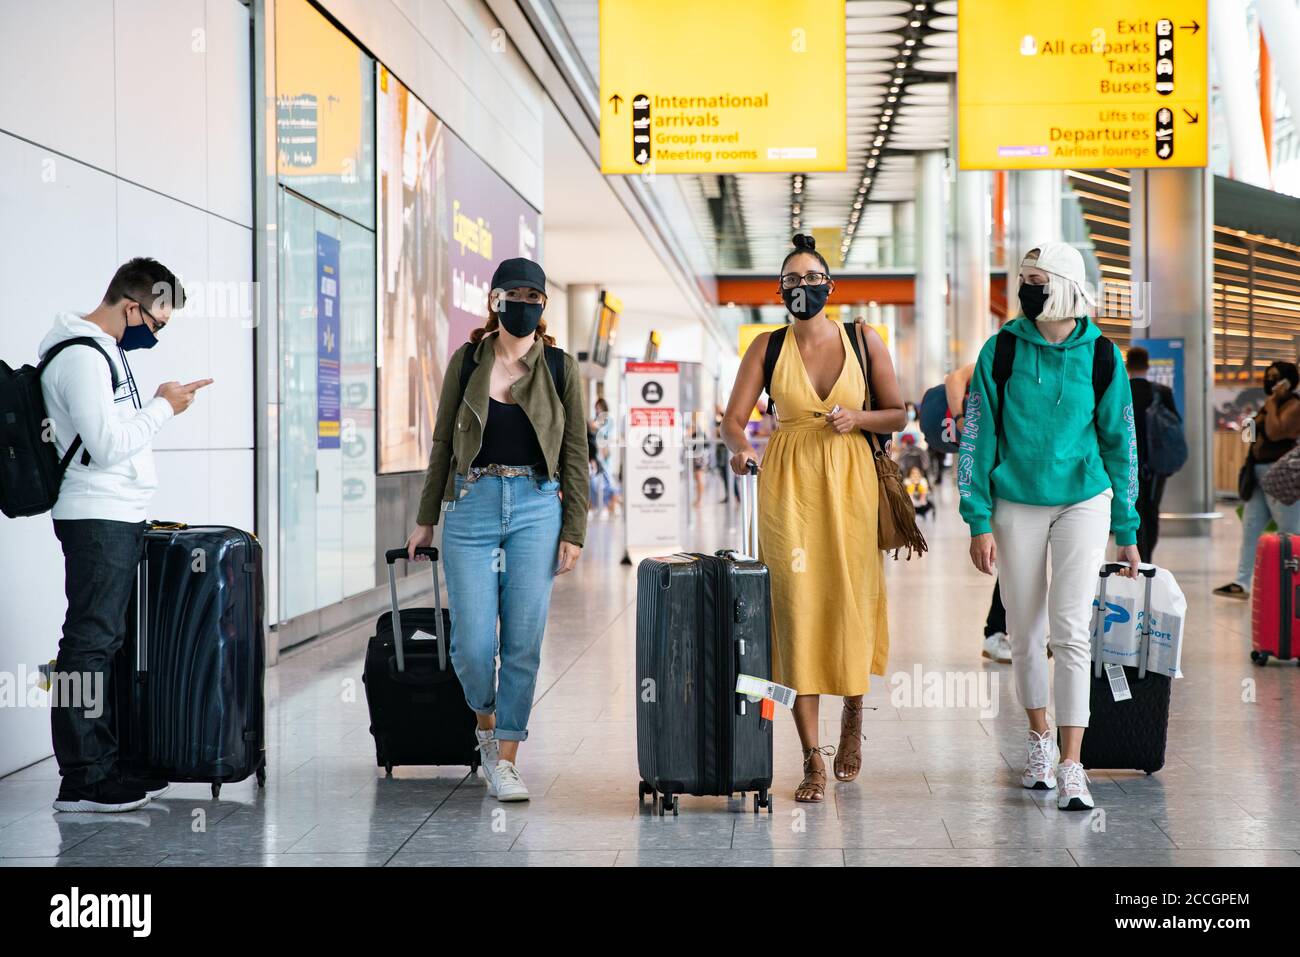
{"points": [[1259, 657], [216, 790], [642, 789], [261, 776], [666, 801], [763, 799], [388, 770]]}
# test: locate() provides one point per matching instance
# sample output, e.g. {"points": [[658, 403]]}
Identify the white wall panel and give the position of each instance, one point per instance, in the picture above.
{"points": [[56, 74], [161, 80], [229, 301], [177, 236], [229, 131], [230, 488]]}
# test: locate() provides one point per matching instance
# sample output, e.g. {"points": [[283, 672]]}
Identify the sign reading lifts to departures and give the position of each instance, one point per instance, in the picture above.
{"points": [[1082, 85], [722, 86]]}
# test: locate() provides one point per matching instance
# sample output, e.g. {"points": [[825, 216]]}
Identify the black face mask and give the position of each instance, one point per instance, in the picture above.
{"points": [[138, 337], [1032, 300], [520, 318], [810, 300]]}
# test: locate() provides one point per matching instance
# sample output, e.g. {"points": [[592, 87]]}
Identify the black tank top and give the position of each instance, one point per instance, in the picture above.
{"points": [[508, 437]]}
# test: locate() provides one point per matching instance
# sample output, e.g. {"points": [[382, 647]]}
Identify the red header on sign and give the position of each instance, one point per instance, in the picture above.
{"points": [[652, 418], [653, 367]]}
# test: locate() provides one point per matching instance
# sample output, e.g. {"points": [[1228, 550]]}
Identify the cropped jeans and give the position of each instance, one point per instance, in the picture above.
{"points": [[499, 542], [1255, 513]]}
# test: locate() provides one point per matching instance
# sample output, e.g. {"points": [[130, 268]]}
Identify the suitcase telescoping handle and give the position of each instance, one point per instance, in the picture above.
{"points": [[1099, 619], [749, 510], [391, 556]]}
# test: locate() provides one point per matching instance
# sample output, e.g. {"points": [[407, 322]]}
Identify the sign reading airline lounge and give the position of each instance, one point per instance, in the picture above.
{"points": [[1083, 85], [723, 86]]}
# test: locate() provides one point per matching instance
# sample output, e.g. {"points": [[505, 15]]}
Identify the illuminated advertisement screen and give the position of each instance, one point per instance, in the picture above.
{"points": [[445, 219]]}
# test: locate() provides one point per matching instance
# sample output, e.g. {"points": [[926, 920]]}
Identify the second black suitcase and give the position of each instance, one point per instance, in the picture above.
{"points": [[418, 713], [701, 620], [188, 680], [1130, 733]]}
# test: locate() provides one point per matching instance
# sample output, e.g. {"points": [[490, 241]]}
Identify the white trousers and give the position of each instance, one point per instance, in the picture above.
{"points": [[1074, 537]]}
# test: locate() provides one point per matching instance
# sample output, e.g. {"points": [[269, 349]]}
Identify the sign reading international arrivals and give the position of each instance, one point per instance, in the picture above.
{"points": [[723, 86], [1082, 85]]}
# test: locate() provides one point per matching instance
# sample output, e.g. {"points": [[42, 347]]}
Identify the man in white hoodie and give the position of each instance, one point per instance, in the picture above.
{"points": [[99, 517]]}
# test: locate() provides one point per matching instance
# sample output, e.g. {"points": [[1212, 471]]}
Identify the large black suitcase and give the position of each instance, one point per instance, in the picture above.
{"points": [[188, 693], [1130, 733], [418, 713], [701, 620]]}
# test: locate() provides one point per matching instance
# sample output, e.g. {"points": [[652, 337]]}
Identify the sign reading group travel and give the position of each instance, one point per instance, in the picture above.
{"points": [[1082, 85], [654, 461], [725, 86]]}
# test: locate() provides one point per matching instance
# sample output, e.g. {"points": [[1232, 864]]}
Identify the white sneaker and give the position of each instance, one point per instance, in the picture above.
{"points": [[1074, 794], [509, 786], [998, 647], [489, 750], [1043, 756]]}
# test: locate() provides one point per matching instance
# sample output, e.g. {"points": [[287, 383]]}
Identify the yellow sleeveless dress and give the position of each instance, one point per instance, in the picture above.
{"points": [[817, 535]]}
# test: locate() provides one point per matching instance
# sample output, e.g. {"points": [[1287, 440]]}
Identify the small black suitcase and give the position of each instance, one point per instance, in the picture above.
{"points": [[418, 713], [701, 621], [188, 693], [1130, 733]]}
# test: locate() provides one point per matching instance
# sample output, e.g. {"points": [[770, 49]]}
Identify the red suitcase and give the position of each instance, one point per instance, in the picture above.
{"points": [[1275, 599]]}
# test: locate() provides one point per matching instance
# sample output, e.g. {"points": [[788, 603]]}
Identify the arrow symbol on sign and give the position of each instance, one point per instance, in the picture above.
{"points": [[616, 100], [1195, 27], [1192, 117]]}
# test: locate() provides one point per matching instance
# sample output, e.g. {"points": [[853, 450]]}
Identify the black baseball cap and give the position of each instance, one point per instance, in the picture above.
{"points": [[519, 274]]}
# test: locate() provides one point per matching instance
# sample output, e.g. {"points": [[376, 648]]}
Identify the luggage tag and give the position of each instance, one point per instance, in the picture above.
{"points": [[762, 688], [1119, 688], [421, 635]]}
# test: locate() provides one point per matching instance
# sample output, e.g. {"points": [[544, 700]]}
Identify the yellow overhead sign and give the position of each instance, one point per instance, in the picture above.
{"points": [[722, 86], [1101, 83]]}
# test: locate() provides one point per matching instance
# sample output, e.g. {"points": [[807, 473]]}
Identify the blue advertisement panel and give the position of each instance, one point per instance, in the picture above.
{"points": [[1166, 366], [327, 342]]}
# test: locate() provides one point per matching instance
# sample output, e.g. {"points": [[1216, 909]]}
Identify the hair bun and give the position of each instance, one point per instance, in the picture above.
{"points": [[804, 241]]}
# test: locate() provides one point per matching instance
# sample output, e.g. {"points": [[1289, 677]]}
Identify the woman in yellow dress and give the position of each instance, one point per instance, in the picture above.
{"points": [[817, 509]]}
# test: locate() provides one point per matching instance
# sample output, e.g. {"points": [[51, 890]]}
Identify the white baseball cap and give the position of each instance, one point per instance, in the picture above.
{"points": [[1063, 260]]}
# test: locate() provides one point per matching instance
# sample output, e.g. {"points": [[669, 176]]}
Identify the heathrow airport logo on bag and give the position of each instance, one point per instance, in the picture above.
{"points": [[76, 910]]}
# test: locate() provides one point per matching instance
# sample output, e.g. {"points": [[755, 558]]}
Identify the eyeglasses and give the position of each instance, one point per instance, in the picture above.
{"points": [[792, 279], [155, 326]]}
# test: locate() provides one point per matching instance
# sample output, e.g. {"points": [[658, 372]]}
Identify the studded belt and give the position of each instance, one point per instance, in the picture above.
{"points": [[504, 471]]}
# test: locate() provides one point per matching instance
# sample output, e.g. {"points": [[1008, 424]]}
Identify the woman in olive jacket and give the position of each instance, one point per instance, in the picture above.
{"points": [[509, 467]]}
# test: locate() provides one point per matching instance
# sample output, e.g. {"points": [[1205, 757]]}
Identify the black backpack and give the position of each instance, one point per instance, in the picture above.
{"points": [[1004, 357], [773, 352], [30, 468], [554, 359]]}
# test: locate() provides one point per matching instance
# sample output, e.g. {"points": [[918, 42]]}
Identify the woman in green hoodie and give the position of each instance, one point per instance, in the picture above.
{"points": [[1048, 469]]}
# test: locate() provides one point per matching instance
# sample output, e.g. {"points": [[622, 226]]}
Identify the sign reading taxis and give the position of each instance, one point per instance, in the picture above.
{"points": [[722, 86], [1082, 85]]}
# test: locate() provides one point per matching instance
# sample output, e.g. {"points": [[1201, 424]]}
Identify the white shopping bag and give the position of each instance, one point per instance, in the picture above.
{"points": [[1121, 623]]}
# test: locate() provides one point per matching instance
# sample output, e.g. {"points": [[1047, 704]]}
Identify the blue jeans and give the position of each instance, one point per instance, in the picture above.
{"points": [[1254, 518], [499, 543]]}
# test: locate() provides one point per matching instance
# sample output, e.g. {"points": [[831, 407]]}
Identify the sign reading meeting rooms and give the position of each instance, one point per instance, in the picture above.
{"points": [[725, 86]]}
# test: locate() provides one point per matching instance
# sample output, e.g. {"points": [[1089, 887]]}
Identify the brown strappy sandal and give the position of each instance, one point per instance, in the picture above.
{"points": [[848, 759], [810, 790]]}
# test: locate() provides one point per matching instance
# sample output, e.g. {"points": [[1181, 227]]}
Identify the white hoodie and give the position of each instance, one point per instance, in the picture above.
{"points": [[120, 480]]}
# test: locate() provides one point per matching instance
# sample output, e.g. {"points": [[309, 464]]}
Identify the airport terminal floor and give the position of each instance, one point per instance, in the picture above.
{"points": [[939, 785]]}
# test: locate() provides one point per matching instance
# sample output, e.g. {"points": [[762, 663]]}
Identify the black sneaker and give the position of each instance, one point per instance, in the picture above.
{"points": [[102, 797], [154, 787]]}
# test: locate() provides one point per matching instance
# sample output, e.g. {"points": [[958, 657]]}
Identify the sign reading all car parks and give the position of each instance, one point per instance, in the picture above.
{"points": [[722, 86], [1082, 85]]}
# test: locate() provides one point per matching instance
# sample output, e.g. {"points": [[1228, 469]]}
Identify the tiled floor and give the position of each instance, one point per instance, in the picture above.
{"points": [[939, 786]]}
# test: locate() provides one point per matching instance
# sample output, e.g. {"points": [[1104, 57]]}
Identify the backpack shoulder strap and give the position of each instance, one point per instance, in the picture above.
{"points": [[1004, 359], [79, 341], [864, 358], [1103, 370], [555, 360], [775, 339]]}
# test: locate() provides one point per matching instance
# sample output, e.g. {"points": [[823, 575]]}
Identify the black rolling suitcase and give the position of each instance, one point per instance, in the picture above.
{"points": [[701, 620], [1130, 733], [418, 713], [188, 692]]}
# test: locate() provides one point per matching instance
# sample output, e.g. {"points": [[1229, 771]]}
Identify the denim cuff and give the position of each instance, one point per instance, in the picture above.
{"points": [[502, 734]]}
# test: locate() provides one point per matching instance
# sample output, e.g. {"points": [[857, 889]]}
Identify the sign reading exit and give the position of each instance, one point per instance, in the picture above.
{"points": [[723, 86], [1082, 85]]}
